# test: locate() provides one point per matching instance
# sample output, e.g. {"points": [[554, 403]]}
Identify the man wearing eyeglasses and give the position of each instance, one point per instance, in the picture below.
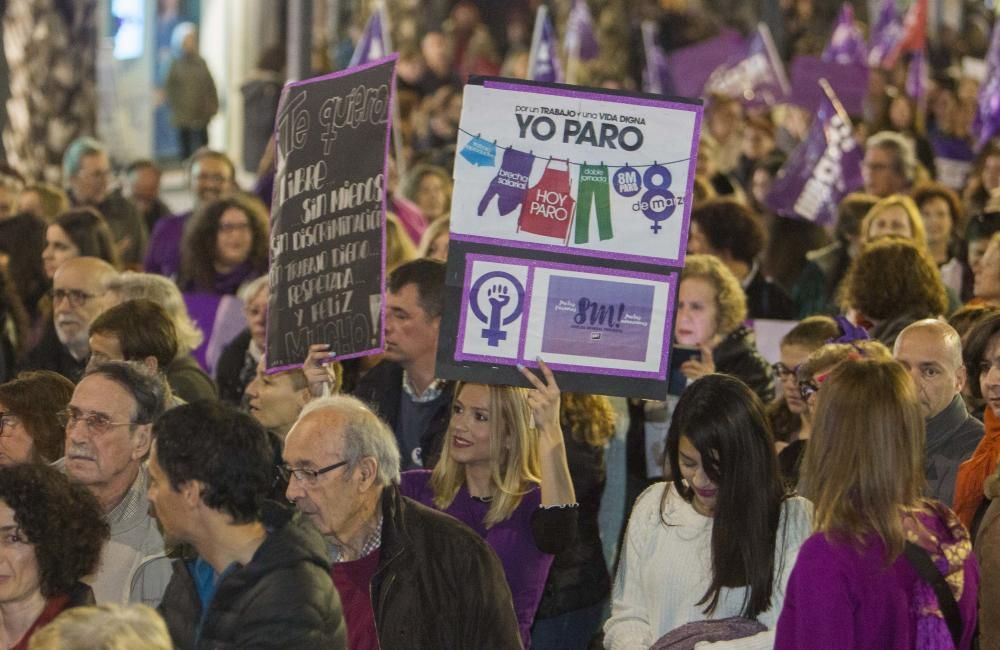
{"points": [[931, 351], [87, 170], [260, 573], [890, 164], [408, 576], [79, 295], [108, 432]]}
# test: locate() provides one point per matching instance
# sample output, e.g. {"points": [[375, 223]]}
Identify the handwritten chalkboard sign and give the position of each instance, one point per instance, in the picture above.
{"points": [[328, 215]]}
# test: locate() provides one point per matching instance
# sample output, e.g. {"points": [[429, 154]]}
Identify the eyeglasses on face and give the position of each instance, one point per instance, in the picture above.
{"points": [[809, 387], [783, 371], [7, 419], [76, 297], [97, 423], [233, 227], [307, 475]]}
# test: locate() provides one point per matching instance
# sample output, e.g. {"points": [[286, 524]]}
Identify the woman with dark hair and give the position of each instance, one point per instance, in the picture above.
{"points": [[14, 327], [978, 233], [984, 180], [30, 430], [941, 211], [894, 283], [22, 240], [52, 532], [818, 284], [225, 245], [885, 565], [709, 552], [80, 232]]}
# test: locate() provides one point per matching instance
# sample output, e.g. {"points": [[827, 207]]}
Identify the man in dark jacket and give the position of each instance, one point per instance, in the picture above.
{"points": [[931, 350], [402, 389], [260, 576], [408, 576]]}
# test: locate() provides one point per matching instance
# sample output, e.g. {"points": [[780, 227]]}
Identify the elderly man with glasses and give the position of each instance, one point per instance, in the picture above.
{"points": [[79, 295], [408, 576], [109, 424]]}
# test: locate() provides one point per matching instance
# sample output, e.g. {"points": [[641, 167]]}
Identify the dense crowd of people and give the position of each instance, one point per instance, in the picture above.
{"points": [[156, 483]]}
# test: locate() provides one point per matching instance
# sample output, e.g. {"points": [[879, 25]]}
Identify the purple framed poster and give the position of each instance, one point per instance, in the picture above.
{"points": [[577, 318], [569, 226]]}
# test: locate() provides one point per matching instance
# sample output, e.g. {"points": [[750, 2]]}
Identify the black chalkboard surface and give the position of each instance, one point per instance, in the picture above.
{"points": [[328, 215]]}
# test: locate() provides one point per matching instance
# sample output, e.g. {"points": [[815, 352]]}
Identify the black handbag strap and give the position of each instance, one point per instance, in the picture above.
{"points": [[924, 566]]}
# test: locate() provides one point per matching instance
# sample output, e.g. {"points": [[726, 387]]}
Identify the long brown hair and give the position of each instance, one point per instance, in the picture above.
{"points": [[201, 233], [864, 466]]}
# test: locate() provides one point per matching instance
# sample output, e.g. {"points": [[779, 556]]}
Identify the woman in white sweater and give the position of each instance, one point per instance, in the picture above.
{"points": [[721, 539]]}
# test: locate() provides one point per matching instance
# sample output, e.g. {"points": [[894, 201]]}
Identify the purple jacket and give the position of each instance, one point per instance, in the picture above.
{"points": [[164, 253], [842, 596]]}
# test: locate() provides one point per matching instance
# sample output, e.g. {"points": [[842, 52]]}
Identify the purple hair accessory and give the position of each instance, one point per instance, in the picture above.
{"points": [[849, 332]]}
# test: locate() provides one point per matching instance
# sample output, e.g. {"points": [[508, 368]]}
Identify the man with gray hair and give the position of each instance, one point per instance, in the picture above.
{"points": [[407, 575], [890, 164], [931, 351], [79, 295], [88, 175], [109, 423]]}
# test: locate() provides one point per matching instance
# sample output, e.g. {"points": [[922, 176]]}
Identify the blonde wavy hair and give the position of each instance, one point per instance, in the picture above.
{"points": [[513, 452], [730, 301], [909, 206]]}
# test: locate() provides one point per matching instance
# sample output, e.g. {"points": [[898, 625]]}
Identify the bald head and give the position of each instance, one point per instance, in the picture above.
{"points": [[341, 456], [362, 432], [931, 351], [79, 295]]}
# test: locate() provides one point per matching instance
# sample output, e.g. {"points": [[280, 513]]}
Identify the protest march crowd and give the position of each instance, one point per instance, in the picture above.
{"points": [[160, 488]]}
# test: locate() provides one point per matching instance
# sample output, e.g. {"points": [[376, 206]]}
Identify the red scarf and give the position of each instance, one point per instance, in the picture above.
{"points": [[972, 474]]}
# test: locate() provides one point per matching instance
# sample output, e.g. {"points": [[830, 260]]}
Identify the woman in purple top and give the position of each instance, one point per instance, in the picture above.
{"points": [[852, 585], [507, 479], [224, 248]]}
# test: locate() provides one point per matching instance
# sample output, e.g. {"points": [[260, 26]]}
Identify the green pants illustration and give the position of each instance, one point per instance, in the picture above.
{"points": [[593, 188]]}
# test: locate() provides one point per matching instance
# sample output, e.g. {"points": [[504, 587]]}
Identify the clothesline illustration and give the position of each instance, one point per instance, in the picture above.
{"points": [[478, 140], [546, 208]]}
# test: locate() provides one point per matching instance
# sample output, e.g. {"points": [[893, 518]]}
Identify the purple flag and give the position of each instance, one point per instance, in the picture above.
{"points": [[373, 44], [543, 61], [887, 30], [916, 77], [699, 60], [758, 78], [580, 39], [849, 82], [847, 43], [822, 169], [656, 78], [987, 121]]}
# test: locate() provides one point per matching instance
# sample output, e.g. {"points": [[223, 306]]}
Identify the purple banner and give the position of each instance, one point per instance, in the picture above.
{"points": [[580, 39], [824, 167], [597, 318], [987, 121], [887, 30], [849, 83], [656, 79], [543, 62], [699, 60], [373, 44], [847, 43], [758, 78], [916, 77]]}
